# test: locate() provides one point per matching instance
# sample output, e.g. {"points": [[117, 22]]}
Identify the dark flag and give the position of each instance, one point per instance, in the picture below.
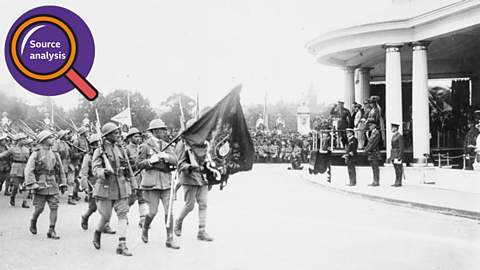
{"points": [[220, 139]]}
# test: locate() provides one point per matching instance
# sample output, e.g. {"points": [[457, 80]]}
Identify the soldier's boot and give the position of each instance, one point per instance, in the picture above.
{"points": [[123, 250], [145, 228], [84, 222], [33, 226], [52, 234], [170, 243], [12, 197], [75, 195], [25, 205], [107, 229], [96, 239], [178, 228], [70, 200], [203, 236]]}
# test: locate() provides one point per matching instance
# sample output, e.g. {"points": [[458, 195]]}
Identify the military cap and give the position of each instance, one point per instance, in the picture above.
{"points": [[133, 131], [350, 130], [20, 136], [82, 130], [43, 135], [395, 125], [156, 124], [341, 102], [62, 133]]}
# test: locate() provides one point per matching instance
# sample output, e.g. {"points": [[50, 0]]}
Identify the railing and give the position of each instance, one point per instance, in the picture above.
{"points": [[447, 159]]}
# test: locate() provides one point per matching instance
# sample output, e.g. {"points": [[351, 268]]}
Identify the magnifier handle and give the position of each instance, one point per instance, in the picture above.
{"points": [[82, 85]]}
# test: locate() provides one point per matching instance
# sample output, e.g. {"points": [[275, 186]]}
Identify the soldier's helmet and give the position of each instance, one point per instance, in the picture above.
{"points": [[82, 130], [156, 123], [20, 136], [109, 128], [62, 133], [43, 135], [94, 138], [132, 132]]}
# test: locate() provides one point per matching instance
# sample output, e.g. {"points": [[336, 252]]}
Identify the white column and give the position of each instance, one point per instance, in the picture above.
{"points": [[393, 92], [363, 87], [349, 87], [420, 104]]}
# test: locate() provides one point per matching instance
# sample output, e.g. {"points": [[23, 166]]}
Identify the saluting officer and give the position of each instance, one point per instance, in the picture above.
{"points": [[88, 181], [373, 151], [113, 187], [40, 171], [18, 154], [396, 154], [135, 138], [195, 188], [344, 122], [63, 149], [351, 156], [156, 182]]}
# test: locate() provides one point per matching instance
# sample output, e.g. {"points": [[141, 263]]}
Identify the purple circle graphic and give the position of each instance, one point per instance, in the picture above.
{"points": [[46, 49]]}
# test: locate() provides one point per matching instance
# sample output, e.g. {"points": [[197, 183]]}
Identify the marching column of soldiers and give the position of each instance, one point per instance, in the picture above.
{"points": [[112, 171]]}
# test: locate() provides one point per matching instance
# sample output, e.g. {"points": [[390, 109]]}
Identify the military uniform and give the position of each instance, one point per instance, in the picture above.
{"points": [[65, 153], [18, 155], [195, 189], [373, 151], [41, 170], [396, 156], [156, 184], [350, 159], [470, 140], [344, 122], [112, 188], [80, 149], [132, 153], [5, 167]]}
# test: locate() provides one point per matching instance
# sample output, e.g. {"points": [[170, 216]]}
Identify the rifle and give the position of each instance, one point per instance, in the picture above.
{"points": [[108, 166]]}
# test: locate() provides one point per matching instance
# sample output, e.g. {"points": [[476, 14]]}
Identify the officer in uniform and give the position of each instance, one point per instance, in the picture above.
{"points": [[344, 122], [351, 156], [396, 154], [113, 187], [88, 181], [470, 140], [5, 166], [63, 149], [40, 171], [195, 187], [372, 149], [135, 138], [80, 149], [156, 182], [18, 154]]}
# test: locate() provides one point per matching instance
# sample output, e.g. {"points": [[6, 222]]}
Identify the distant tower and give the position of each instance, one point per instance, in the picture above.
{"points": [[312, 98]]}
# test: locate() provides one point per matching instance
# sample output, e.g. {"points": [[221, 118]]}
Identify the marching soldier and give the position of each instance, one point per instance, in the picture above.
{"points": [[40, 171], [63, 149], [5, 166], [156, 182], [351, 155], [373, 151], [396, 154], [195, 187], [18, 154], [113, 187], [135, 138], [80, 149], [88, 181]]}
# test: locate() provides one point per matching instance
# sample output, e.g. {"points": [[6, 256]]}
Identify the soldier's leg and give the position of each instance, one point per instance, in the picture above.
{"points": [[25, 195], [39, 204], [53, 201], [3, 177], [105, 209], [152, 198], [376, 171], [165, 198], [70, 183], [351, 173], [121, 208], [142, 207], [92, 208], [202, 199], [189, 198], [15, 182], [8, 185]]}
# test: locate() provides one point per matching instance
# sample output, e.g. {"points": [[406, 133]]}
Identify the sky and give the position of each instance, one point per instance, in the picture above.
{"points": [[159, 48]]}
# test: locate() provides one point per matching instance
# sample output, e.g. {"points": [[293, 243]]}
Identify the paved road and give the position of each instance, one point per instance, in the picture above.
{"points": [[268, 218]]}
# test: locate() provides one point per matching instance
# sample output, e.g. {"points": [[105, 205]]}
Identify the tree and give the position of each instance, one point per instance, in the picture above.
{"points": [[172, 117], [112, 104]]}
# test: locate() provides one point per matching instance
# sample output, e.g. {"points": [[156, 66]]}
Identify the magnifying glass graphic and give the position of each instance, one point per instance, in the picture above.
{"points": [[66, 70]]}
